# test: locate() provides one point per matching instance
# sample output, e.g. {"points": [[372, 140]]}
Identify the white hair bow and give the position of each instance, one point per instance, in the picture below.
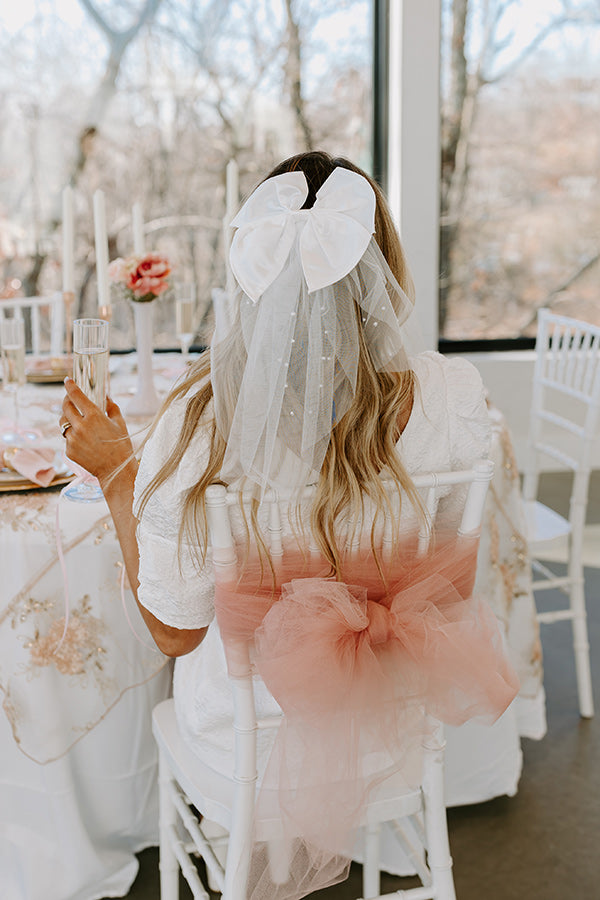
{"points": [[334, 234]]}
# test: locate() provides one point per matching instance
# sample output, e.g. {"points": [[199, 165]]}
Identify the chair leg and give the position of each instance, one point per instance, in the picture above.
{"points": [[240, 843], [370, 875], [218, 838], [581, 647], [279, 854], [436, 826], [168, 865]]}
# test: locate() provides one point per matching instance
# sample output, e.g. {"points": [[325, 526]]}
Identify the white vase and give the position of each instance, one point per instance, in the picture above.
{"points": [[145, 401]]}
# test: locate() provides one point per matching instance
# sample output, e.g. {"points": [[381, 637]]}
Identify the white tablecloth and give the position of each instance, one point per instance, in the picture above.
{"points": [[492, 765], [69, 828]]}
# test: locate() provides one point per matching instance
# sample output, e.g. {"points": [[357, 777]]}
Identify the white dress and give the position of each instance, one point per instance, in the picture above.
{"points": [[449, 428]]}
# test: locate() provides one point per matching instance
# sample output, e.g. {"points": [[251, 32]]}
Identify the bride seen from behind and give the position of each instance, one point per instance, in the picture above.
{"points": [[312, 384]]}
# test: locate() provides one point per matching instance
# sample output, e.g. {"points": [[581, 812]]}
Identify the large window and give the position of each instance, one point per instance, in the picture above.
{"points": [[149, 100], [520, 203]]}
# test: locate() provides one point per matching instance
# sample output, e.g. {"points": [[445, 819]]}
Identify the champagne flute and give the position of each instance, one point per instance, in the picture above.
{"points": [[185, 309], [12, 348], [90, 373]]}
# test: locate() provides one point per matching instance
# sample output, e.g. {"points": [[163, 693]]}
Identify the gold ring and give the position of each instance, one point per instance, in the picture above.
{"points": [[64, 428]]}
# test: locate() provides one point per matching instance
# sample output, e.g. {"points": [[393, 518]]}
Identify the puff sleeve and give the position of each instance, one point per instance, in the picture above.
{"points": [[469, 424], [171, 586]]}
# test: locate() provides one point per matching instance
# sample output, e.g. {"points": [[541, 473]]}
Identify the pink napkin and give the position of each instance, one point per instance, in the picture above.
{"points": [[35, 464]]}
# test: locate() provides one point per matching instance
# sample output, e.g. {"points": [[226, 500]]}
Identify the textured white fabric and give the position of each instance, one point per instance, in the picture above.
{"points": [[172, 588], [449, 427]]}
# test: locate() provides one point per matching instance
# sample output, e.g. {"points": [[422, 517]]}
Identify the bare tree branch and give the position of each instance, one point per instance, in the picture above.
{"points": [[460, 109], [118, 43], [99, 20], [199, 37], [294, 75], [458, 75], [553, 295], [539, 39], [147, 13]]}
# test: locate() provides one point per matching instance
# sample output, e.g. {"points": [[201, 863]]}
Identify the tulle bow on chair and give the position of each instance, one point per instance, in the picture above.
{"points": [[357, 680]]}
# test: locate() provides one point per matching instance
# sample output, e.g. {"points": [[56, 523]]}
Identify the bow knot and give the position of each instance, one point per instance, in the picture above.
{"points": [[333, 234], [380, 625]]}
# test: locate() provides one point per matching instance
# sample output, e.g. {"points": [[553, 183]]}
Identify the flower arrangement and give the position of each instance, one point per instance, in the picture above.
{"points": [[144, 278]]}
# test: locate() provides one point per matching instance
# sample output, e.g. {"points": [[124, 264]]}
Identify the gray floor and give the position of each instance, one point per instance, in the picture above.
{"points": [[543, 843]]}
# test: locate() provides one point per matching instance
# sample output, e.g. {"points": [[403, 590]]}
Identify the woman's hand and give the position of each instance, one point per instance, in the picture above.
{"points": [[97, 442]]}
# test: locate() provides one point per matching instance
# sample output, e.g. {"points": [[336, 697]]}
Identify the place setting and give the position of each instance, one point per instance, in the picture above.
{"points": [[28, 462], [48, 370], [32, 467]]}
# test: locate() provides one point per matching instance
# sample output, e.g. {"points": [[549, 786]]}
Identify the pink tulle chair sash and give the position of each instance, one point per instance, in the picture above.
{"points": [[357, 666]]}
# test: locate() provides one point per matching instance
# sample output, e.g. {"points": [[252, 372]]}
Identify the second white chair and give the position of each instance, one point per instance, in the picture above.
{"points": [[564, 424], [36, 306]]}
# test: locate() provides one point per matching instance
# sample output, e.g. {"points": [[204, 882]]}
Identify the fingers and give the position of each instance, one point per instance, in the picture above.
{"points": [[70, 411], [115, 415], [82, 403], [113, 410]]}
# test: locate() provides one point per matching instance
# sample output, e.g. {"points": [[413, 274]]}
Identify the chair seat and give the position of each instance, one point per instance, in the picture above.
{"points": [[545, 527], [212, 792]]}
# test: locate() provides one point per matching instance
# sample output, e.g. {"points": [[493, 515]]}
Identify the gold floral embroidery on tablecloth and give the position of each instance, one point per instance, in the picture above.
{"points": [[513, 564], [76, 651], [31, 607], [26, 512]]}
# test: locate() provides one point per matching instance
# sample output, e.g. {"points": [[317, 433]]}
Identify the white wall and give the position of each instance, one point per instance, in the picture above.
{"points": [[508, 377]]}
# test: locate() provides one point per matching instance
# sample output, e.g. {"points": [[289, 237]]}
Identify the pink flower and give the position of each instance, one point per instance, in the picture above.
{"points": [[119, 270], [144, 278], [150, 276]]}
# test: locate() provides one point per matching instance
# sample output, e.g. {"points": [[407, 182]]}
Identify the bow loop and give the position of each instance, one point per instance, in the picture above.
{"points": [[334, 233]]}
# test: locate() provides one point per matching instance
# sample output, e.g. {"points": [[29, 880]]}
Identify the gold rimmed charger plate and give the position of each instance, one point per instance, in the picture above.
{"points": [[51, 371], [14, 481], [47, 377]]}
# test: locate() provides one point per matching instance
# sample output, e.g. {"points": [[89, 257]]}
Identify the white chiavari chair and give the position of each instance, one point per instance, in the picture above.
{"points": [[50, 306], [187, 786], [565, 413]]}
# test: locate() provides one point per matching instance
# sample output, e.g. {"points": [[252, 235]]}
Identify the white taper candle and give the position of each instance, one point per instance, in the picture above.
{"points": [[68, 260], [232, 199], [137, 225], [232, 190], [101, 241]]}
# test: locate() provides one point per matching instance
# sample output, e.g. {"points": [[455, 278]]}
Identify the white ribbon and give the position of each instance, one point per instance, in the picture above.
{"points": [[335, 231]]}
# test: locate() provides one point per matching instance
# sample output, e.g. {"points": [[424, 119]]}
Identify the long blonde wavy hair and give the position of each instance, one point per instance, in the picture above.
{"points": [[362, 443]]}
